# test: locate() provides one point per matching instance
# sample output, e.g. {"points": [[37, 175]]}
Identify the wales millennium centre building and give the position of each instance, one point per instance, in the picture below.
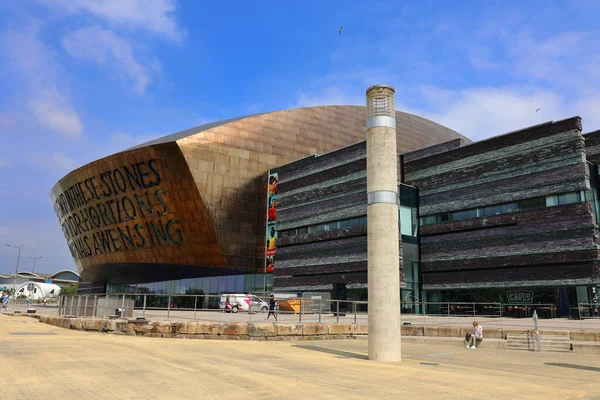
{"points": [[278, 202]]}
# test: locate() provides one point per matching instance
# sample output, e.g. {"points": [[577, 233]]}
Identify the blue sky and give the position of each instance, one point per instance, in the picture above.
{"points": [[81, 79]]}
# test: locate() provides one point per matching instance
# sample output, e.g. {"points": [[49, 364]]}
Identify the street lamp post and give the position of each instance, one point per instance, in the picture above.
{"points": [[34, 259], [16, 268], [383, 240]]}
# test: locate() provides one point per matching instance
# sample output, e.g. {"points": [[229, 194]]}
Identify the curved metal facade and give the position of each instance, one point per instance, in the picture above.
{"points": [[194, 203]]}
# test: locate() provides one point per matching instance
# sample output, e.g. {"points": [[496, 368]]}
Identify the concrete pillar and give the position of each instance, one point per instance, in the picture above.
{"points": [[382, 222]]}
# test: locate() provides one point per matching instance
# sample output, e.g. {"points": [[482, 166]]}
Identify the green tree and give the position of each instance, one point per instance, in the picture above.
{"points": [[70, 289]]}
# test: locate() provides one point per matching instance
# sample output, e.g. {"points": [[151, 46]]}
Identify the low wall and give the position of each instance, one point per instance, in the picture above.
{"points": [[209, 330], [274, 331], [586, 347]]}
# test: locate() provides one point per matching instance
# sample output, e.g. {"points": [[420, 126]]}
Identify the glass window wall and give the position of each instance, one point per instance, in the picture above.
{"points": [[594, 178], [406, 226], [210, 285], [460, 215], [508, 208], [569, 198], [492, 210], [497, 209], [329, 226], [551, 201]]}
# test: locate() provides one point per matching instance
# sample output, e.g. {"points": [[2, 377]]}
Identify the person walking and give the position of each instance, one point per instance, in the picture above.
{"points": [[474, 340], [272, 304], [5, 301]]}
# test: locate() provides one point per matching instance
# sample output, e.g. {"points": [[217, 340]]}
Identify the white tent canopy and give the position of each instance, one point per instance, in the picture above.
{"points": [[38, 290]]}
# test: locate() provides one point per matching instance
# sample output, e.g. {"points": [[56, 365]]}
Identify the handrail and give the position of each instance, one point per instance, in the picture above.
{"points": [[263, 296], [103, 305]]}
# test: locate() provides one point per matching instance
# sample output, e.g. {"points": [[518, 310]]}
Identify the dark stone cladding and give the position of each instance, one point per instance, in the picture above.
{"points": [[315, 190], [592, 146], [359, 165], [324, 281], [323, 211], [552, 246], [565, 178], [433, 150], [497, 142], [310, 165], [356, 266], [520, 276], [540, 164], [477, 170], [328, 236], [306, 196]]}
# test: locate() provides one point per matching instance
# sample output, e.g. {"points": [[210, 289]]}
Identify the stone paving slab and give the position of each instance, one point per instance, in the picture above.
{"points": [[84, 365]]}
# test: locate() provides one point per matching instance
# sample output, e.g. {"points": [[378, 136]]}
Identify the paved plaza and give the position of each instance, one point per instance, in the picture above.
{"points": [[43, 361], [415, 320]]}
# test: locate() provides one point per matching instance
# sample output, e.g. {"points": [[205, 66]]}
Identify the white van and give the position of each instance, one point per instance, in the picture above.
{"points": [[234, 302]]}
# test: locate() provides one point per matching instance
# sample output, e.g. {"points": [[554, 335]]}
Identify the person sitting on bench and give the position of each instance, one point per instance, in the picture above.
{"points": [[476, 338]]}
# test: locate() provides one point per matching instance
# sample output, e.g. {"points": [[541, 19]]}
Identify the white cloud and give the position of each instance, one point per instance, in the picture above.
{"points": [[567, 58], [434, 95], [63, 163], [562, 72], [55, 112], [27, 53], [106, 49], [480, 79], [479, 113], [156, 16], [41, 79]]}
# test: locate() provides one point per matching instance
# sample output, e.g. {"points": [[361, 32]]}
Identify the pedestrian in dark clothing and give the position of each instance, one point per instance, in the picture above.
{"points": [[272, 304]]}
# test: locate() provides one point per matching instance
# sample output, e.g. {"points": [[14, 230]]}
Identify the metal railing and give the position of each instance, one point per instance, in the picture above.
{"points": [[588, 310], [475, 309], [196, 307]]}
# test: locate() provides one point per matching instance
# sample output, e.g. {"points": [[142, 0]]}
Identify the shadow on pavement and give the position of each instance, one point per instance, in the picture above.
{"points": [[341, 353], [574, 366]]}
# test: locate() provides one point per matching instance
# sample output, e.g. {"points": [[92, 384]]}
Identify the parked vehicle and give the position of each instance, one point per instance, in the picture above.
{"points": [[234, 302]]}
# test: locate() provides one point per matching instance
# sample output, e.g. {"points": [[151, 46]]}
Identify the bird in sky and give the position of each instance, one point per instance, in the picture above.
{"points": [[340, 31], [537, 110]]}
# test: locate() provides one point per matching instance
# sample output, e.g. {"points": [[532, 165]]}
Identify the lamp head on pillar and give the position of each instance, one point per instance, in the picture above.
{"points": [[381, 106]]}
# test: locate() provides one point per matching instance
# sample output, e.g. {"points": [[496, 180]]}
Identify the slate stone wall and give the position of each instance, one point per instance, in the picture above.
{"points": [[552, 246], [592, 146], [316, 190]]}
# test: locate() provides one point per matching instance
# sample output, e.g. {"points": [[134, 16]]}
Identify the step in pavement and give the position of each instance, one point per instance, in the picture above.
{"points": [[554, 343]]}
